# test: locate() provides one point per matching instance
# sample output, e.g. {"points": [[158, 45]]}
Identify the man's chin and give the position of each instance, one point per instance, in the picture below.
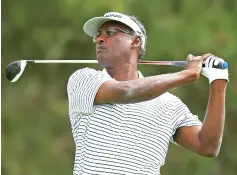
{"points": [[102, 59]]}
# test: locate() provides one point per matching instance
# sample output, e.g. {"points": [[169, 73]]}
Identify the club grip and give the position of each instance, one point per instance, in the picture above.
{"points": [[221, 65]]}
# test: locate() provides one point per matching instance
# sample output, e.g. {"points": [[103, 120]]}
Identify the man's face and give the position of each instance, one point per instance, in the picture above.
{"points": [[113, 43]]}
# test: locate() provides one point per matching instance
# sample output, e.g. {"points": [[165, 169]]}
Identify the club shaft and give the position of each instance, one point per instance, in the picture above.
{"points": [[167, 63], [172, 63], [62, 61]]}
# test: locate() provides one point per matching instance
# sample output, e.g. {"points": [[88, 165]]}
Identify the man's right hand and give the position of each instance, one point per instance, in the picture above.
{"points": [[194, 65]]}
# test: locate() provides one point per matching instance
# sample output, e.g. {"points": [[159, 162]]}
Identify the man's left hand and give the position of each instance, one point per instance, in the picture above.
{"points": [[214, 73]]}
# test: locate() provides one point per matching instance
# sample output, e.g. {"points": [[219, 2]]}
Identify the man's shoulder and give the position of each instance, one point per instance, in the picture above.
{"points": [[83, 71]]}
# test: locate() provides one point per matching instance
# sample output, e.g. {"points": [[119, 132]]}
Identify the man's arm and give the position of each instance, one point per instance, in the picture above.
{"points": [[206, 140], [147, 88], [142, 89]]}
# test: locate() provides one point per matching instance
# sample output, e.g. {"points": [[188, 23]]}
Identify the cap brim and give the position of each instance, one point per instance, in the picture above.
{"points": [[93, 25]]}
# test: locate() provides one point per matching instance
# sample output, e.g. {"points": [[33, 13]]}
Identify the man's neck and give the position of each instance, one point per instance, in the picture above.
{"points": [[124, 73]]}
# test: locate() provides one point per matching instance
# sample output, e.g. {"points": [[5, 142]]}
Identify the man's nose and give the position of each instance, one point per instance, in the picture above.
{"points": [[100, 39]]}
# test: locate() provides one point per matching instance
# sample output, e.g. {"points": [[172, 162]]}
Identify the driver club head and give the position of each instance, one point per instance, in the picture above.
{"points": [[15, 69]]}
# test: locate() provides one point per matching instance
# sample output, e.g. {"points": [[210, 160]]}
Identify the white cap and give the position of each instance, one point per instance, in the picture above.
{"points": [[93, 25]]}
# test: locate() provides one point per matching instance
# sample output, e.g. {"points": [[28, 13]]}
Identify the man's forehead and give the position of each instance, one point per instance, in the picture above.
{"points": [[114, 24]]}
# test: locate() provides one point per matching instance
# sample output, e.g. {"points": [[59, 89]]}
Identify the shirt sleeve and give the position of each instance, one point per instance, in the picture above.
{"points": [[182, 117], [82, 88]]}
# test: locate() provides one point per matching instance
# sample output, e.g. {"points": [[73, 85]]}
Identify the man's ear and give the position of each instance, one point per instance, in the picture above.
{"points": [[136, 42]]}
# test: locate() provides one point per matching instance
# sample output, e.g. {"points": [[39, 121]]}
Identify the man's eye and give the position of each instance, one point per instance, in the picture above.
{"points": [[110, 32]]}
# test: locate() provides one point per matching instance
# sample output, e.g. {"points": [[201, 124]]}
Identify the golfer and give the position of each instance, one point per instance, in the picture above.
{"points": [[123, 122]]}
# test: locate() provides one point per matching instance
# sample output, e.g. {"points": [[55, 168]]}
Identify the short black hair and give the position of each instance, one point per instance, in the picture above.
{"points": [[141, 26]]}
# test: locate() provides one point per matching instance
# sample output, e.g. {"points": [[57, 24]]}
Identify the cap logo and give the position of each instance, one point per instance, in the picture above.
{"points": [[113, 15]]}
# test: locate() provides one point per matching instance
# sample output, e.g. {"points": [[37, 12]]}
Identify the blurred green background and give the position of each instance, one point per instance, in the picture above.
{"points": [[36, 131]]}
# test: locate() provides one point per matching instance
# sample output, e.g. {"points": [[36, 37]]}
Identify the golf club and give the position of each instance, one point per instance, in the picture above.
{"points": [[15, 69]]}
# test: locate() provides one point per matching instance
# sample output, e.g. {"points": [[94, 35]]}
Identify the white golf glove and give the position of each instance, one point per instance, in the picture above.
{"points": [[214, 73]]}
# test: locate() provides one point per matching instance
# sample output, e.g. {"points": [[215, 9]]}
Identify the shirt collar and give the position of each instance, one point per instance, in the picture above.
{"points": [[107, 75]]}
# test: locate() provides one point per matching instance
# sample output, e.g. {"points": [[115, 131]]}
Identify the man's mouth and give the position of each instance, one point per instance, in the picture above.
{"points": [[100, 47]]}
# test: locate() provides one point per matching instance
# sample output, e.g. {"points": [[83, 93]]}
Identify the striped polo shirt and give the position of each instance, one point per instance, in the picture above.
{"points": [[121, 138]]}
